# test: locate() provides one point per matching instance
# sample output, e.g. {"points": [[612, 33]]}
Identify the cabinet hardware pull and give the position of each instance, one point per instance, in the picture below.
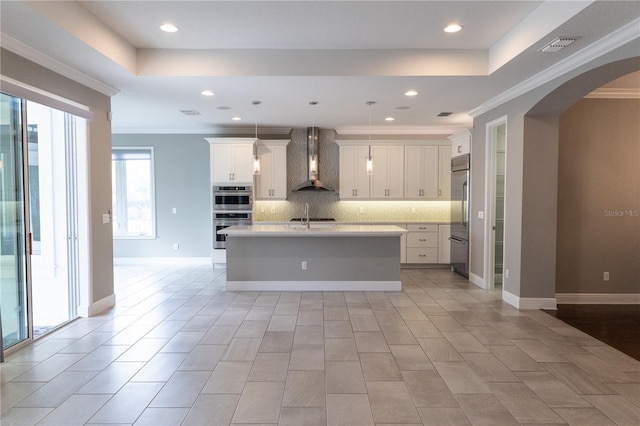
{"points": [[422, 239], [422, 255]]}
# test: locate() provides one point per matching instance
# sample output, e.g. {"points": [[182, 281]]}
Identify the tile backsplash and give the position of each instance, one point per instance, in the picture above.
{"points": [[328, 205]]}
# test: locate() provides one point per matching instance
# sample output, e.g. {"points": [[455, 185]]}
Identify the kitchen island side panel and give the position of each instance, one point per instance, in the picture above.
{"points": [[357, 258]]}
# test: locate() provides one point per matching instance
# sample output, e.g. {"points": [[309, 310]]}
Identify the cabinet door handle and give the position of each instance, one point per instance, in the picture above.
{"points": [[422, 255], [421, 239], [439, 192]]}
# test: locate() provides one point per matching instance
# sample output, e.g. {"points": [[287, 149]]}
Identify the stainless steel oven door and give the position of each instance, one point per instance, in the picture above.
{"points": [[225, 219], [227, 198]]}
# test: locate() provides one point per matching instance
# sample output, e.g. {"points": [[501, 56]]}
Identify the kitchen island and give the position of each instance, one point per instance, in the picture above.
{"points": [[319, 258]]}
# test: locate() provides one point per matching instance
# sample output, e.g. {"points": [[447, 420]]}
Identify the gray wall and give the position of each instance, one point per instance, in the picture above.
{"points": [[529, 239], [599, 197], [99, 161], [181, 165]]}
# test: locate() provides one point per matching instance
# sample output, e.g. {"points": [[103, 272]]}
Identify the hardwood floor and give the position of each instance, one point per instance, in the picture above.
{"points": [[178, 349], [616, 325]]}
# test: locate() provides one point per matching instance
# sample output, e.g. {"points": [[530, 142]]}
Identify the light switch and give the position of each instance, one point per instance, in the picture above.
{"points": [[480, 215], [361, 210], [174, 210], [106, 218]]}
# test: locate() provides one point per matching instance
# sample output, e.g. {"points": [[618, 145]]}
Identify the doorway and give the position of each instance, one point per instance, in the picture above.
{"points": [[495, 203]]}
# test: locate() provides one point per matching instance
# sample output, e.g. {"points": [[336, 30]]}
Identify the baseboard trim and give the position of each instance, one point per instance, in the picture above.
{"points": [[97, 307], [162, 261], [475, 279], [597, 299], [527, 303], [314, 286]]}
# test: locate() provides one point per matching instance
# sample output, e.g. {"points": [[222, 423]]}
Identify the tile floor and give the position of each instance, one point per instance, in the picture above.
{"points": [[179, 349]]}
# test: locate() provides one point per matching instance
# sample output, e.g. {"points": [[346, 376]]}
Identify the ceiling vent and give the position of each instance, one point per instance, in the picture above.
{"points": [[558, 44], [444, 114], [191, 112]]}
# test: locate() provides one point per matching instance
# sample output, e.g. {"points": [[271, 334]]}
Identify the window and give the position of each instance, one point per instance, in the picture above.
{"points": [[133, 193]]}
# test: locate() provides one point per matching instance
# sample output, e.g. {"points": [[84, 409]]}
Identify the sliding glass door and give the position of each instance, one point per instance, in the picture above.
{"points": [[51, 194], [13, 229], [38, 218]]}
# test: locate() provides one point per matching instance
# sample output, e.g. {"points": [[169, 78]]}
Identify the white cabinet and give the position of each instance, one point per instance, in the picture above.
{"points": [[422, 243], [421, 172], [387, 180], [231, 160], [444, 244], [444, 172], [354, 181], [271, 183], [403, 243], [460, 143]]}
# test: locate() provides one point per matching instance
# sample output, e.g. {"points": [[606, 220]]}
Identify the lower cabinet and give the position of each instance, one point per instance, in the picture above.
{"points": [[422, 243], [444, 244], [426, 243]]}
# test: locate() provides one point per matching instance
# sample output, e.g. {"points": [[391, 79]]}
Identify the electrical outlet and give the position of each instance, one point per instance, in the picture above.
{"points": [[506, 273], [174, 210], [303, 265], [605, 276], [176, 246], [361, 210]]}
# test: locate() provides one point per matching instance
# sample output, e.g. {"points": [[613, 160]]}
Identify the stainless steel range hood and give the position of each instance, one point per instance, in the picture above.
{"points": [[312, 183]]}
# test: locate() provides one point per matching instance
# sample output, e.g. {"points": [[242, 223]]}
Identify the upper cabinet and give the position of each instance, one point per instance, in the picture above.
{"points": [[444, 172], [271, 183], [354, 181], [387, 179], [421, 172], [460, 143], [401, 170], [231, 160]]}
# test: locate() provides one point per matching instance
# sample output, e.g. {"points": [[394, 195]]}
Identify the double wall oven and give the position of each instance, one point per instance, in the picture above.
{"points": [[231, 205]]}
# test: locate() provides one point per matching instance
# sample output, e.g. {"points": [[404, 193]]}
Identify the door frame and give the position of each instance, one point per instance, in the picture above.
{"points": [[489, 201]]}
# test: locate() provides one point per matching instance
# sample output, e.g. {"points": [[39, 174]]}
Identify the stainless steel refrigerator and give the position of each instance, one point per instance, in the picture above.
{"points": [[460, 214]]}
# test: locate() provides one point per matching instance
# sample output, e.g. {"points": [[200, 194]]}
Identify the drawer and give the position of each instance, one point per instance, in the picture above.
{"points": [[422, 255], [422, 239], [422, 227]]}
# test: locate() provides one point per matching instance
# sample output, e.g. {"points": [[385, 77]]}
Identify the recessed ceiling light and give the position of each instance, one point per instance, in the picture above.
{"points": [[206, 93], [403, 107], [452, 28], [168, 28], [224, 108], [410, 93], [236, 118], [389, 119], [191, 112]]}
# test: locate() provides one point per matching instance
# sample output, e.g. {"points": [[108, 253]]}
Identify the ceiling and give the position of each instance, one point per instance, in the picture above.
{"points": [[287, 53]]}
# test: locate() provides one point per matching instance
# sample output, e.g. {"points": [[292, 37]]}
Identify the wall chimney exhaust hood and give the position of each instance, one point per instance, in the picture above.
{"points": [[312, 183]]}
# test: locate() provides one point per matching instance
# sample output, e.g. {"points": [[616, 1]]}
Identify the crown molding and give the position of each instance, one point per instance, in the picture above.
{"points": [[34, 55], [218, 131], [611, 41], [400, 130], [611, 93]]}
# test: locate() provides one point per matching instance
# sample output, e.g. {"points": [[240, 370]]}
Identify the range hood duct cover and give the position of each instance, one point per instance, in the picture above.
{"points": [[313, 182]]}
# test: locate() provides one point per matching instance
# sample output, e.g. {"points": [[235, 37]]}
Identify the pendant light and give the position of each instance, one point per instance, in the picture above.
{"points": [[256, 157], [369, 157], [313, 156]]}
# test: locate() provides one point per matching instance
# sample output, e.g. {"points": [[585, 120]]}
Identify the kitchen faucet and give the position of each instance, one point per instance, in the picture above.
{"points": [[306, 214]]}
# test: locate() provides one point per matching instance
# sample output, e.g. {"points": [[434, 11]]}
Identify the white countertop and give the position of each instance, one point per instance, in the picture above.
{"points": [[316, 230]]}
